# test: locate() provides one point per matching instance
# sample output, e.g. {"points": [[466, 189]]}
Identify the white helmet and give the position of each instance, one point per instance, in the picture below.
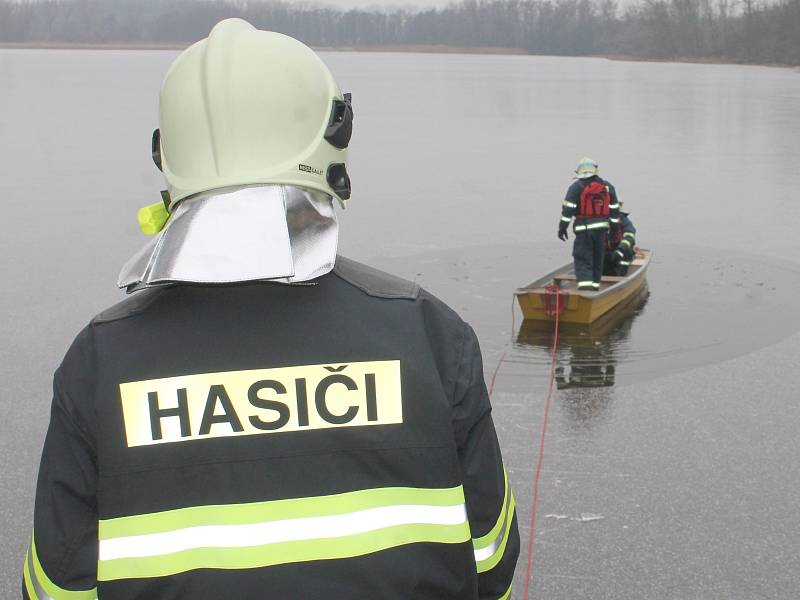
{"points": [[587, 167], [251, 107]]}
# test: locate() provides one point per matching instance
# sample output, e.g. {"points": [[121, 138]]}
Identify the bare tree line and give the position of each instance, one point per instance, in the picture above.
{"points": [[732, 30]]}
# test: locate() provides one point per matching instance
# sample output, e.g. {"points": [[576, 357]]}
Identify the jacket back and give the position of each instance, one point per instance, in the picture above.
{"points": [[306, 440]]}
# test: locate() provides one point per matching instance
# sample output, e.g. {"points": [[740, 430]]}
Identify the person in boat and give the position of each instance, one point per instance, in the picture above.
{"points": [[620, 246], [262, 417], [592, 202]]}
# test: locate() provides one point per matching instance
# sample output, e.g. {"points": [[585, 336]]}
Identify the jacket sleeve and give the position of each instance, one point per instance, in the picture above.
{"points": [[628, 233], [625, 249], [489, 499], [614, 214], [61, 562], [569, 207]]}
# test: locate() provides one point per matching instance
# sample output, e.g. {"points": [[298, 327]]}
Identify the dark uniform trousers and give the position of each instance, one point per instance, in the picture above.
{"points": [[326, 440], [589, 251]]}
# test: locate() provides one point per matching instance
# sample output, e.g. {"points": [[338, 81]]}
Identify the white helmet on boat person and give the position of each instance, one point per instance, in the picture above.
{"points": [[587, 167]]}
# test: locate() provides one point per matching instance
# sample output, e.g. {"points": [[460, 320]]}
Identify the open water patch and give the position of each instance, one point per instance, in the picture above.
{"points": [[702, 306]]}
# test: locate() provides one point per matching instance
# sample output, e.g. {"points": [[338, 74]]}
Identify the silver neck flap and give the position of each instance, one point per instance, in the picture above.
{"points": [[272, 232]]}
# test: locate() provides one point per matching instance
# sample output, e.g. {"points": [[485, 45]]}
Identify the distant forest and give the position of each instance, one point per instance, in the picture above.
{"points": [[745, 31]]}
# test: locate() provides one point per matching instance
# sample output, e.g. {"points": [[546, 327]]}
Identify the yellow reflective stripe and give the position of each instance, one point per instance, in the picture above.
{"points": [[276, 510], [263, 534], [629, 234], [566, 219], [489, 538], [626, 242], [489, 548], [507, 595], [40, 587], [26, 578]]}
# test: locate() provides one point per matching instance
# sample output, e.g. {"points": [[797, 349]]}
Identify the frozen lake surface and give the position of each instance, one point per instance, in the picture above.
{"points": [[671, 464]]}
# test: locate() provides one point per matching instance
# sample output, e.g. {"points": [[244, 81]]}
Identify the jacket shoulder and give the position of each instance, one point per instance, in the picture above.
{"points": [[627, 224], [374, 282], [130, 306]]}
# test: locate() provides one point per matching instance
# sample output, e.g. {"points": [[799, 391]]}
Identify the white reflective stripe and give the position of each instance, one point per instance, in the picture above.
{"points": [[596, 285], [613, 206], [566, 219], [598, 225], [274, 532], [620, 254], [484, 553], [570, 204], [624, 263], [615, 221], [582, 283], [628, 234], [37, 585], [626, 242]]}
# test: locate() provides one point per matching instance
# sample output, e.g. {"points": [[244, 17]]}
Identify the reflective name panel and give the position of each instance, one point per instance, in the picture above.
{"points": [[261, 401]]}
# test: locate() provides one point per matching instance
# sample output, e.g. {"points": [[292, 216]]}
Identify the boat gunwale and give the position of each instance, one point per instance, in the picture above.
{"points": [[615, 287]]}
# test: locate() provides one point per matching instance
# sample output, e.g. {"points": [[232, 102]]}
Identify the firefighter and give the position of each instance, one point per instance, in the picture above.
{"points": [[593, 203], [620, 245], [262, 417]]}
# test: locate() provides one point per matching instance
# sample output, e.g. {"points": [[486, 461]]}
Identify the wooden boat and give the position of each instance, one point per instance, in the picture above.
{"points": [[581, 306]]}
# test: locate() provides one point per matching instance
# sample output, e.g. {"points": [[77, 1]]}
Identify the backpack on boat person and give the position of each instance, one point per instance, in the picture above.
{"points": [[595, 201]]}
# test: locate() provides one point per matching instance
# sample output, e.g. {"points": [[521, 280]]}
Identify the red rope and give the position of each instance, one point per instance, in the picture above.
{"points": [[505, 351], [497, 368], [547, 402], [539, 462]]}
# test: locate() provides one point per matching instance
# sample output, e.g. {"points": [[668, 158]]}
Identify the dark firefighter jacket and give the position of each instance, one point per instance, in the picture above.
{"points": [[621, 241], [571, 207], [331, 440]]}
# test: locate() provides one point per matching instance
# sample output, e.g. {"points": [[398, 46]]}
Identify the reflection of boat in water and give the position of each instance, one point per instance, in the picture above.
{"points": [[591, 349], [582, 306]]}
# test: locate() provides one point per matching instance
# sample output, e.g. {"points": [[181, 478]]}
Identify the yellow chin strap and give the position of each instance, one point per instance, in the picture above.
{"points": [[152, 218]]}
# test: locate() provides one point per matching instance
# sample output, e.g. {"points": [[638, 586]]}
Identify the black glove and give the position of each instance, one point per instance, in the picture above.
{"points": [[562, 231]]}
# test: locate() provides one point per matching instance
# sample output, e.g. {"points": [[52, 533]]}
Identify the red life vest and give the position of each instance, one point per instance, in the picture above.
{"points": [[595, 201]]}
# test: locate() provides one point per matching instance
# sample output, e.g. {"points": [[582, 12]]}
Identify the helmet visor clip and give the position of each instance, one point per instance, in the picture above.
{"points": [[339, 180], [340, 124]]}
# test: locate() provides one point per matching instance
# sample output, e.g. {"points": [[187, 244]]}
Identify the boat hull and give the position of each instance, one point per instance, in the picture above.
{"points": [[582, 306]]}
